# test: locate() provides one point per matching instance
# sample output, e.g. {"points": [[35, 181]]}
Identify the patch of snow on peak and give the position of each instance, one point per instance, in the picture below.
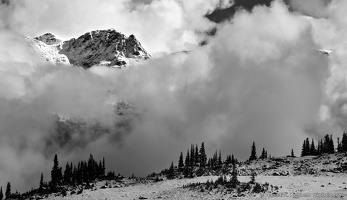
{"points": [[48, 52]]}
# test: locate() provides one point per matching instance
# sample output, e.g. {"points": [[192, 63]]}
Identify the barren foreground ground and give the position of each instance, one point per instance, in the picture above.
{"points": [[329, 186]]}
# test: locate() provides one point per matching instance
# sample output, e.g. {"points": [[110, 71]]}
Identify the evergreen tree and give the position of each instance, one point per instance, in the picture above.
{"points": [[171, 172], [197, 156], [41, 183], [56, 172], [8, 190], [180, 163], [263, 156], [253, 152], [192, 156], [307, 147], [344, 142], [234, 181], [100, 169], [1, 194], [292, 153], [303, 150], [67, 174], [203, 157], [103, 167], [228, 160], [91, 168], [74, 174], [220, 160], [233, 161], [85, 172], [187, 165]]}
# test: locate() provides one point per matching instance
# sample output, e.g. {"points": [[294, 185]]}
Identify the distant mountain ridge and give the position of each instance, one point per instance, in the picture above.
{"points": [[100, 47]]}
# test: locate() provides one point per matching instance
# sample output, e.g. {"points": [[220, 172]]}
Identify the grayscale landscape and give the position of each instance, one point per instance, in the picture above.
{"points": [[173, 99]]}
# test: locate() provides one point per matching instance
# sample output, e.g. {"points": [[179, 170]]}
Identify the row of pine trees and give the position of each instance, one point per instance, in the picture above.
{"points": [[196, 162], [325, 145], [8, 193], [84, 171]]}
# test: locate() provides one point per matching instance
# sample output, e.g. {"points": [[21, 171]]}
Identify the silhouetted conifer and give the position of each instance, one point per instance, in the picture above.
{"points": [[303, 150], [171, 172], [197, 156], [187, 165], [92, 168], [234, 181], [307, 147], [344, 142], [253, 152], [263, 154], [220, 160], [180, 163], [56, 172], [203, 157], [1, 194], [103, 167], [8, 190], [292, 153], [192, 156], [41, 183]]}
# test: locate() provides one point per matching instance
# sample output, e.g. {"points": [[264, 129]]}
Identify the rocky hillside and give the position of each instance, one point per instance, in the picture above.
{"points": [[292, 166], [101, 47]]}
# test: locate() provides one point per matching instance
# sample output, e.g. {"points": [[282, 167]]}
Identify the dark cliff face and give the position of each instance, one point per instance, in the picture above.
{"points": [[108, 46]]}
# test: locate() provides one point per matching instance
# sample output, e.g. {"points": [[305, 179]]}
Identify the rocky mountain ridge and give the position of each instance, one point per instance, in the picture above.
{"points": [[101, 47]]}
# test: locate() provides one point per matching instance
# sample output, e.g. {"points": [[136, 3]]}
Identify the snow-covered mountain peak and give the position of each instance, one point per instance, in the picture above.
{"points": [[100, 47], [106, 47]]}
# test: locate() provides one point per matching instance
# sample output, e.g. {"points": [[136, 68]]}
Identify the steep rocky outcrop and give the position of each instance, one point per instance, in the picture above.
{"points": [[105, 47], [101, 47]]}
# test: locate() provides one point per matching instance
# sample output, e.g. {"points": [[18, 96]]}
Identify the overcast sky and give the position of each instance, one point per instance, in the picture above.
{"points": [[260, 78]]}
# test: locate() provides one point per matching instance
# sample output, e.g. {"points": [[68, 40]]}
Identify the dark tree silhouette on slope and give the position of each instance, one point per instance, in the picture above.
{"points": [[180, 163], [171, 172], [292, 153], [253, 152], [1, 194], [41, 183], [197, 156], [263, 154], [56, 174], [187, 165], [8, 190], [203, 157], [234, 181]]}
